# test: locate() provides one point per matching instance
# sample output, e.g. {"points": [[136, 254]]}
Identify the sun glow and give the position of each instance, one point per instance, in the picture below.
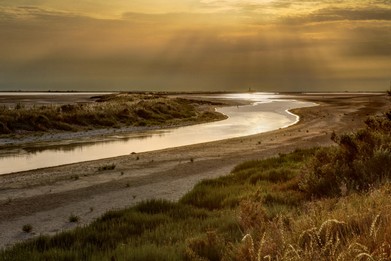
{"points": [[195, 44]]}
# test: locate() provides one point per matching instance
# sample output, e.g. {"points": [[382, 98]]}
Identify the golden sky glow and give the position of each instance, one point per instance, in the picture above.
{"points": [[268, 45]]}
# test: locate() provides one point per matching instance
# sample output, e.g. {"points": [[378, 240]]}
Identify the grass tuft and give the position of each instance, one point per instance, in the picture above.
{"points": [[107, 167], [27, 228], [73, 218]]}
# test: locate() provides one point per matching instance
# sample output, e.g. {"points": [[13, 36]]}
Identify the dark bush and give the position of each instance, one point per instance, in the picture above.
{"points": [[4, 128], [361, 160]]}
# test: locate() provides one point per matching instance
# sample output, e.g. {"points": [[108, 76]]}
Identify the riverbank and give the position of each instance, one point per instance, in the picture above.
{"points": [[46, 198]]}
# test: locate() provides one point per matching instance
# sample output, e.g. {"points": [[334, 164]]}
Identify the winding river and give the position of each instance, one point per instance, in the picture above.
{"points": [[266, 113]]}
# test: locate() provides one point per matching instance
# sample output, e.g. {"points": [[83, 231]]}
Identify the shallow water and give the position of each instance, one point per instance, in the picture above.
{"points": [[267, 113]]}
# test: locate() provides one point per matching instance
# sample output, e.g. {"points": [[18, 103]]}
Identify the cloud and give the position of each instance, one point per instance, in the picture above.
{"points": [[32, 12], [179, 19], [332, 14], [222, 45]]}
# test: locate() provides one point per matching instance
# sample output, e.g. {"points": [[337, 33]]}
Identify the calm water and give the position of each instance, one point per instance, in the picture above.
{"points": [[265, 114]]}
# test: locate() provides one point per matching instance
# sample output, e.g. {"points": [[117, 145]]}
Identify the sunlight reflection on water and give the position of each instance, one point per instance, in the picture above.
{"points": [[267, 113]]}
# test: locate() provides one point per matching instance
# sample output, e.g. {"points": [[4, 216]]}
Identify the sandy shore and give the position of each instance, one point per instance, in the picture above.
{"points": [[46, 198]]}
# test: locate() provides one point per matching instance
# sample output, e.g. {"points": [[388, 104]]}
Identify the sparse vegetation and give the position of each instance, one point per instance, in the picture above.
{"points": [[27, 228], [75, 177], [110, 111], [107, 167], [317, 204], [73, 218]]}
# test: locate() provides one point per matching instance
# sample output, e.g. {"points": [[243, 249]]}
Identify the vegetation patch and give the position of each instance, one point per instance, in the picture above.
{"points": [[109, 111], [361, 162], [27, 228], [107, 167], [73, 218]]}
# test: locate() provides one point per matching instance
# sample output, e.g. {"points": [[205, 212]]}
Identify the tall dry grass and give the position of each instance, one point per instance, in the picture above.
{"points": [[356, 227]]}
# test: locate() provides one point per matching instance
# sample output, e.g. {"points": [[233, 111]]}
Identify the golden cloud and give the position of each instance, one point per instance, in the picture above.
{"points": [[218, 45]]}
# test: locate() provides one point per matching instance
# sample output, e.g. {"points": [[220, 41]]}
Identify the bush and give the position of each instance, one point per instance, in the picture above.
{"points": [[361, 160], [27, 228], [4, 128], [107, 167], [73, 218], [209, 247]]}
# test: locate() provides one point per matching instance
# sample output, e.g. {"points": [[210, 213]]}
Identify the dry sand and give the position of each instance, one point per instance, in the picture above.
{"points": [[46, 198]]}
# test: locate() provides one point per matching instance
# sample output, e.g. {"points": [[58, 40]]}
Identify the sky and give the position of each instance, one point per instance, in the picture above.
{"points": [[195, 45]]}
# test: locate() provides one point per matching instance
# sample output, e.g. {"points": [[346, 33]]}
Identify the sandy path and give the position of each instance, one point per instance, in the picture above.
{"points": [[46, 198]]}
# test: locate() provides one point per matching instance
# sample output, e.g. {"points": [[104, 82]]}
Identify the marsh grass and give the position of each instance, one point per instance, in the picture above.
{"points": [[111, 111], [264, 210]]}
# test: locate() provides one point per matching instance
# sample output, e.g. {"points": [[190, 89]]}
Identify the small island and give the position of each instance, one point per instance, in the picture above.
{"points": [[114, 111]]}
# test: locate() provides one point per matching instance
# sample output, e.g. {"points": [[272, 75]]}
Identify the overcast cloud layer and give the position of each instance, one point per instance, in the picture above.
{"points": [[187, 45]]}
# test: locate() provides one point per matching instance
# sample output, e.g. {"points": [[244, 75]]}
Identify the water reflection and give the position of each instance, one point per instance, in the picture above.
{"points": [[265, 114], [74, 145]]}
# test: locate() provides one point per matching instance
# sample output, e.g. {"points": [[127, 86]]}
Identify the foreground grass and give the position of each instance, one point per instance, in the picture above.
{"points": [[306, 205], [161, 230], [110, 111]]}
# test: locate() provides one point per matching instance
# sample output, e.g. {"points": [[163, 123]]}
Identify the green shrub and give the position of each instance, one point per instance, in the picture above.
{"points": [[361, 160], [209, 247], [273, 175]]}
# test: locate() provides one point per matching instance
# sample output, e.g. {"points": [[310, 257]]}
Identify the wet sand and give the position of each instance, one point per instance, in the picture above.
{"points": [[46, 198]]}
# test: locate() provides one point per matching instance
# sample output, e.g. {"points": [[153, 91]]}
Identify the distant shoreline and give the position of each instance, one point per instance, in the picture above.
{"points": [[191, 92]]}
